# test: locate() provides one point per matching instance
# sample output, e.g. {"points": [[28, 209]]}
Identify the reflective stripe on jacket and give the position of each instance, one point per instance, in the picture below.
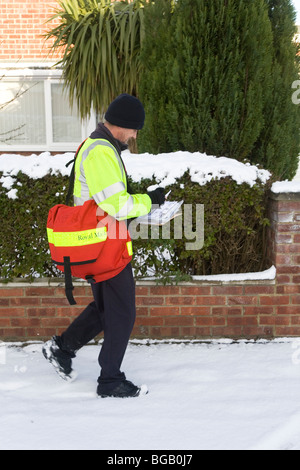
{"points": [[100, 175]]}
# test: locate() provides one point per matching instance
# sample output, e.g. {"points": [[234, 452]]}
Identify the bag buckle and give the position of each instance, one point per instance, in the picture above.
{"points": [[90, 279]]}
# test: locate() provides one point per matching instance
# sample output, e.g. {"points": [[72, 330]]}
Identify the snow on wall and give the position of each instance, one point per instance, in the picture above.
{"points": [[167, 167]]}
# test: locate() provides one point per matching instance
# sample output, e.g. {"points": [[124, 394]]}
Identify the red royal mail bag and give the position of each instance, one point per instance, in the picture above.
{"points": [[87, 243]]}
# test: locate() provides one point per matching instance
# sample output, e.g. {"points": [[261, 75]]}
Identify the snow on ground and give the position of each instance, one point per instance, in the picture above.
{"points": [[218, 395]]}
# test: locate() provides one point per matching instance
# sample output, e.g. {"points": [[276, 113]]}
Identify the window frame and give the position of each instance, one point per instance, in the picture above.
{"points": [[48, 77]]}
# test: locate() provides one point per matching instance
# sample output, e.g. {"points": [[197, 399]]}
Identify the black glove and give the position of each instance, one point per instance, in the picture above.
{"points": [[157, 196]]}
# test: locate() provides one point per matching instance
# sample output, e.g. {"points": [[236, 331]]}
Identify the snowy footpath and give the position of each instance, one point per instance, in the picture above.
{"points": [[218, 395]]}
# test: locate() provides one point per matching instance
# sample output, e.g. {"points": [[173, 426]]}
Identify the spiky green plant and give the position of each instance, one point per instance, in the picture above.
{"points": [[100, 43]]}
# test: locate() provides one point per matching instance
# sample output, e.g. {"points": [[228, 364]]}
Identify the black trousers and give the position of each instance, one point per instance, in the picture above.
{"points": [[112, 312]]}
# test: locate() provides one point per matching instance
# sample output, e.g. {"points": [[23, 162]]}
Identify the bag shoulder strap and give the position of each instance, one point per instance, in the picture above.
{"points": [[68, 281], [72, 174]]}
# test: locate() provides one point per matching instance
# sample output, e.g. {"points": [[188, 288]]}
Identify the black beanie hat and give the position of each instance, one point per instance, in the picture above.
{"points": [[126, 111]]}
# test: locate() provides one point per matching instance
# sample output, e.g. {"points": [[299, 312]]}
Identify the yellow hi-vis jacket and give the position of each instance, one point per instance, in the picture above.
{"points": [[100, 175]]}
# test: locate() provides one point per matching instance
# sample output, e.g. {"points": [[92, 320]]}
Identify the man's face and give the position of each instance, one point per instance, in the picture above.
{"points": [[126, 134]]}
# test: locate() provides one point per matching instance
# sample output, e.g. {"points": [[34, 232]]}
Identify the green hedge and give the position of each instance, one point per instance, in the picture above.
{"points": [[235, 230], [216, 79], [23, 239]]}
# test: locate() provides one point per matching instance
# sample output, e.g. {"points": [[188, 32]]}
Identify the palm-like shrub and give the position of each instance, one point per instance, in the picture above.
{"points": [[101, 44]]}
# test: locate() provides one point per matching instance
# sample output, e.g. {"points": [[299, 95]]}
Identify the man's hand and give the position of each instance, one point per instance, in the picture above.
{"points": [[157, 196]]}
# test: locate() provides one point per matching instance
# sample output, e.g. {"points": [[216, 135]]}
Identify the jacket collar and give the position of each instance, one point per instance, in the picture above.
{"points": [[102, 132]]}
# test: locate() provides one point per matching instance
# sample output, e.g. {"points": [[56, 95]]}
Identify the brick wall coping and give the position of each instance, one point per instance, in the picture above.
{"points": [[267, 277], [286, 196]]}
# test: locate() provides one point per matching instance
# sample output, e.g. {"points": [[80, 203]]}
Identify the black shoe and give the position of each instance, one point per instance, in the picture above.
{"points": [[60, 360], [125, 389]]}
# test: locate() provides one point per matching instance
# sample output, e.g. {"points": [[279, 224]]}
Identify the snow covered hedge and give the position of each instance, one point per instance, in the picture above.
{"points": [[234, 197]]}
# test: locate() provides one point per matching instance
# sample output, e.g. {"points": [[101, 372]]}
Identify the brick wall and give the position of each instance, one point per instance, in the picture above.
{"points": [[285, 255], [22, 23], [245, 309]]}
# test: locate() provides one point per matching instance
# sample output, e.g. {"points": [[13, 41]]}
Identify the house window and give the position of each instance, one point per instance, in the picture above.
{"points": [[66, 127], [22, 117], [35, 115]]}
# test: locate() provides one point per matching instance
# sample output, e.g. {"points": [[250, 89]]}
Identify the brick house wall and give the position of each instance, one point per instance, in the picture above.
{"points": [[22, 24], [196, 310], [26, 59]]}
